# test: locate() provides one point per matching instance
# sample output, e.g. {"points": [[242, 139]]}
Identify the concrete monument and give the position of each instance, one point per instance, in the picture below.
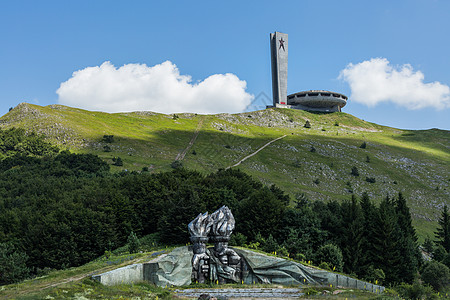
{"points": [[279, 55], [313, 100]]}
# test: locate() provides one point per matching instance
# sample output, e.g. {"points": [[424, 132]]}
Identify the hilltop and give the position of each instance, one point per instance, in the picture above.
{"points": [[316, 161]]}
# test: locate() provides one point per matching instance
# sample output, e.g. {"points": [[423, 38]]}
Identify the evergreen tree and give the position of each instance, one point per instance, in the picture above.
{"points": [[385, 253], [408, 247], [369, 212], [442, 234], [352, 235], [133, 243]]}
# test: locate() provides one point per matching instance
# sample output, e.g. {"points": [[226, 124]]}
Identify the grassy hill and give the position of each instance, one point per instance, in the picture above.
{"points": [[316, 161]]}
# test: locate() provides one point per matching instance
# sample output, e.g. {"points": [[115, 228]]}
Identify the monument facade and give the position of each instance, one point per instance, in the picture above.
{"points": [[279, 56]]}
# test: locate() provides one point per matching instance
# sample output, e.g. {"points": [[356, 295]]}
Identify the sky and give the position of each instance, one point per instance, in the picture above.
{"points": [[391, 58]]}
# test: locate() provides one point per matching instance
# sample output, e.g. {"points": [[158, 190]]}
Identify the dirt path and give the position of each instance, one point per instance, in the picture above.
{"points": [[254, 153], [181, 155]]}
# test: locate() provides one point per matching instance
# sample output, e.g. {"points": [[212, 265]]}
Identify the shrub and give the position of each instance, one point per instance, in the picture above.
{"points": [[354, 171], [270, 245], [312, 149], [371, 179], [363, 145], [415, 291], [176, 164], [316, 181], [13, 266], [144, 169], [282, 251], [307, 124], [133, 243], [436, 274], [117, 161], [374, 275], [336, 123], [332, 255], [367, 159], [194, 152], [238, 239], [107, 148], [108, 138], [325, 266]]}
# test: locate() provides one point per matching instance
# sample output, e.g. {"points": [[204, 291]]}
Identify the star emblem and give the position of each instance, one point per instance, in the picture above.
{"points": [[281, 44]]}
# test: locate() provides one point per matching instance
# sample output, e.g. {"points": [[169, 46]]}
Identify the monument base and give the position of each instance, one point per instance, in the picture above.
{"points": [[175, 269]]}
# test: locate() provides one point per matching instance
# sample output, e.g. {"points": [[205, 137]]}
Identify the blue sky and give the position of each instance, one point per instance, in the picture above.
{"points": [[42, 43]]}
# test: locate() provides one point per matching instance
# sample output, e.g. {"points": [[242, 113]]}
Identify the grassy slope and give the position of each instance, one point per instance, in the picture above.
{"points": [[414, 162]]}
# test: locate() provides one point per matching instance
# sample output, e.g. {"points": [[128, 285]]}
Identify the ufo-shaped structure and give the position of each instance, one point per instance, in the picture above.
{"points": [[317, 100], [314, 100]]}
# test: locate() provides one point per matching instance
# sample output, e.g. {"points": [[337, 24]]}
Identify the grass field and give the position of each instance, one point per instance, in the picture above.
{"points": [[316, 161]]}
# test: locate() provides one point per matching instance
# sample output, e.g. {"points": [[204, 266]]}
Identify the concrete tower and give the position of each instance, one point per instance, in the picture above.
{"points": [[279, 55]]}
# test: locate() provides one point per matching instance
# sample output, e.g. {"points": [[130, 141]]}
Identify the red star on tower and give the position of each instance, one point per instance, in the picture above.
{"points": [[281, 44]]}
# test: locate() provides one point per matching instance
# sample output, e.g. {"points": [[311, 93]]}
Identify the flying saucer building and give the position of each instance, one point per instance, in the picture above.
{"points": [[314, 100]]}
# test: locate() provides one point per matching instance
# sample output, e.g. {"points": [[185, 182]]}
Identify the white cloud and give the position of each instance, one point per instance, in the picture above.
{"points": [[160, 88], [375, 81]]}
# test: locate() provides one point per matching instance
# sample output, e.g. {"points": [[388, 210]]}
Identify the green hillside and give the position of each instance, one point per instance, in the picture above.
{"points": [[316, 161]]}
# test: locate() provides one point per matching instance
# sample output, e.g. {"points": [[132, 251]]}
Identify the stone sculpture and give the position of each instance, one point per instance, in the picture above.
{"points": [[199, 229], [221, 264]]}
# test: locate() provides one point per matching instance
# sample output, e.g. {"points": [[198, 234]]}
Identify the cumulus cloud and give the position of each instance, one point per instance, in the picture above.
{"points": [[161, 88], [375, 81]]}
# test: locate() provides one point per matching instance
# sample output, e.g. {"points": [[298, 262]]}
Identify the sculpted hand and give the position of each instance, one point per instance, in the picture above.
{"points": [[196, 260]]}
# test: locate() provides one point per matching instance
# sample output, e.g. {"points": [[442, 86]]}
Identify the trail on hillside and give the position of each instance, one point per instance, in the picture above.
{"points": [[254, 153], [181, 155]]}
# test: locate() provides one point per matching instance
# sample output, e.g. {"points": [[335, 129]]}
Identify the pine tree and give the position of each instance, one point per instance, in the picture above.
{"points": [[385, 239], [368, 211], [408, 247], [352, 235], [442, 234]]}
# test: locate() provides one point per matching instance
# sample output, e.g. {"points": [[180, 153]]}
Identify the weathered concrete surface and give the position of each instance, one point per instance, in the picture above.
{"points": [[129, 274], [173, 269]]}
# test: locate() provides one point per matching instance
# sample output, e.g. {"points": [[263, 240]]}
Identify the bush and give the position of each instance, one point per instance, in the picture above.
{"points": [[415, 291], [117, 161], [133, 243], [238, 239], [325, 266], [371, 179], [312, 149], [367, 159], [13, 266], [270, 245], [336, 123], [108, 138], [363, 145], [176, 164], [436, 274], [354, 171], [307, 124], [375, 275], [439, 253], [332, 255], [107, 148]]}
